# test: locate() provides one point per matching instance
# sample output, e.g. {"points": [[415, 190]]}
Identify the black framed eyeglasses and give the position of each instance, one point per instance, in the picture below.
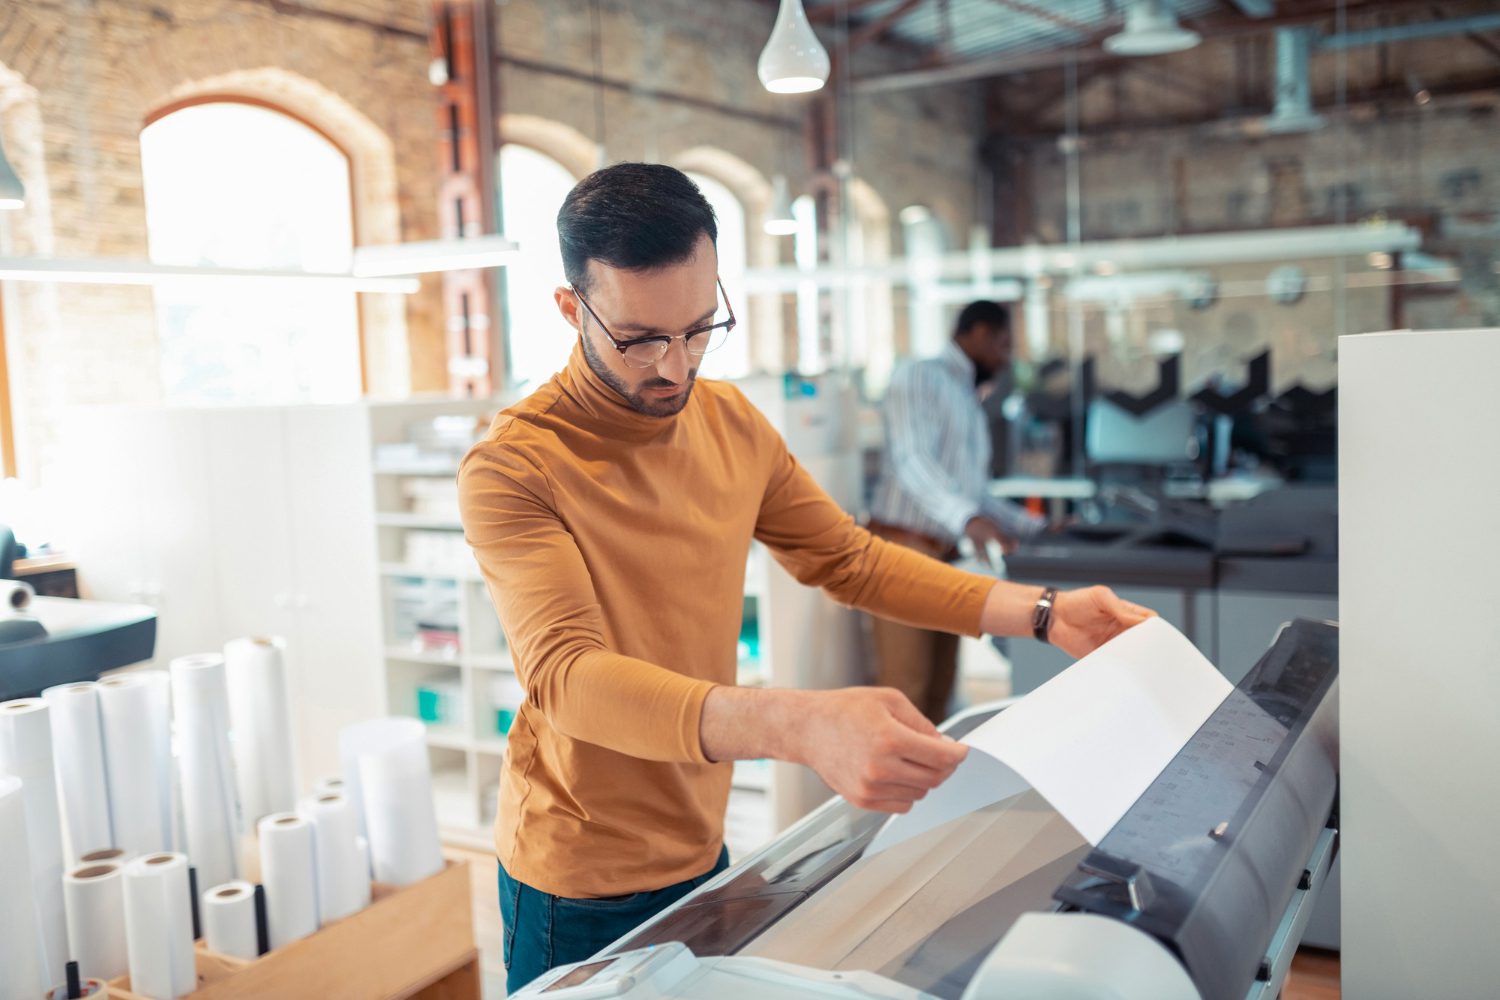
{"points": [[643, 352]]}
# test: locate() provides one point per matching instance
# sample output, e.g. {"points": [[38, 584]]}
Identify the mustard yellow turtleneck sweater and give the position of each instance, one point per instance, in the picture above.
{"points": [[614, 547]]}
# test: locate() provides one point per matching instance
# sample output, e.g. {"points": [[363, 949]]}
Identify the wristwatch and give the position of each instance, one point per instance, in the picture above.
{"points": [[1041, 615]]}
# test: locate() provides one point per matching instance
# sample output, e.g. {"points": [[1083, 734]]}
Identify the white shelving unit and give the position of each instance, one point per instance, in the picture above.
{"points": [[428, 577], [802, 638]]}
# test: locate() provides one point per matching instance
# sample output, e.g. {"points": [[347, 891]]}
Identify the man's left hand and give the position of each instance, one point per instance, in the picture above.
{"points": [[1083, 620]]}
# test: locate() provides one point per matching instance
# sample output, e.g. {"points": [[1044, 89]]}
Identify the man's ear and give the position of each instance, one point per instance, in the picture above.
{"points": [[568, 306]]}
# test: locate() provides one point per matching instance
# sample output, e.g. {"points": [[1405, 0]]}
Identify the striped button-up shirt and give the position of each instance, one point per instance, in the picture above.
{"points": [[937, 453]]}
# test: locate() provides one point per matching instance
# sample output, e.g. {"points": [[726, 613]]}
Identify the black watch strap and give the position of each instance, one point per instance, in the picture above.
{"points": [[1041, 615]]}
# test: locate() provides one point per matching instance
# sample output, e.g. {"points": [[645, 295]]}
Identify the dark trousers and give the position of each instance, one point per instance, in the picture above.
{"points": [[921, 664], [543, 931]]}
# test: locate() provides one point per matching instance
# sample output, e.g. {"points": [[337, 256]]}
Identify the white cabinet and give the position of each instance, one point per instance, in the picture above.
{"points": [[240, 521], [1419, 688]]}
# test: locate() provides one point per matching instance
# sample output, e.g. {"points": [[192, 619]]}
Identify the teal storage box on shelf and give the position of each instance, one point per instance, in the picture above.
{"points": [[506, 696], [437, 702], [504, 719]]}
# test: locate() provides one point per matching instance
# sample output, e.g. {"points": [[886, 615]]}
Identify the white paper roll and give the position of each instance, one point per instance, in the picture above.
{"points": [[289, 872], [21, 975], [397, 786], [78, 750], [372, 736], [262, 727], [26, 753], [130, 707], [200, 703], [95, 896], [15, 595], [159, 927], [228, 915], [343, 880]]}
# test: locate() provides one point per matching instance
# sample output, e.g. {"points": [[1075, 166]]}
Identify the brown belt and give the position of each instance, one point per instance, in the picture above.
{"points": [[923, 543]]}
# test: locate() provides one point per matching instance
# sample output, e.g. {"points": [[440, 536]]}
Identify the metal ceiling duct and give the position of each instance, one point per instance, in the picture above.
{"points": [[1293, 111]]}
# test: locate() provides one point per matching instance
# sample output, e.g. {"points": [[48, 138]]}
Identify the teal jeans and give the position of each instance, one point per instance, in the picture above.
{"points": [[543, 931]]}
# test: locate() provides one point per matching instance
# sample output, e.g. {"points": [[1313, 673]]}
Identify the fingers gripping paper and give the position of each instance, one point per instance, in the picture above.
{"points": [[1090, 740]]}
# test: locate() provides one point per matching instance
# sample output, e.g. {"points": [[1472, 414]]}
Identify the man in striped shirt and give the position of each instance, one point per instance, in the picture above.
{"points": [[932, 489]]}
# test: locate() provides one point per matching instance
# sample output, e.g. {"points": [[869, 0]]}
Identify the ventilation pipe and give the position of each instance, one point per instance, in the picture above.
{"points": [[1293, 111]]}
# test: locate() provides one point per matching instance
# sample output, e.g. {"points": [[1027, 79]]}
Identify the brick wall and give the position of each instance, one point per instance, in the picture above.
{"points": [[78, 83], [1436, 166], [356, 70]]}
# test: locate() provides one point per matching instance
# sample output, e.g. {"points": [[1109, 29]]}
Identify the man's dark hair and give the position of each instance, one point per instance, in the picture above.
{"points": [[633, 216], [984, 311]]}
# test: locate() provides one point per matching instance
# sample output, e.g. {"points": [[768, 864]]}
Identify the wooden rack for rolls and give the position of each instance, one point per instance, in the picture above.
{"points": [[416, 941]]}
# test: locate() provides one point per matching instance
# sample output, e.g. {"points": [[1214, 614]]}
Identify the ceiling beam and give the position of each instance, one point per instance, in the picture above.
{"points": [[1006, 63], [828, 13], [1412, 31], [1043, 14], [1256, 8], [1384, 97], [1473, 36], [872, 32]]}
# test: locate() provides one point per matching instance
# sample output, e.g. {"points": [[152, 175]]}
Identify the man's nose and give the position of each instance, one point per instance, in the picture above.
{"points": [[675, 364]]}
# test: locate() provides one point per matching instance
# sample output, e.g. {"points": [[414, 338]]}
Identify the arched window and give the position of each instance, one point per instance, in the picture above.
{"points": [[732, 360], [532, 189], [238, 185]]}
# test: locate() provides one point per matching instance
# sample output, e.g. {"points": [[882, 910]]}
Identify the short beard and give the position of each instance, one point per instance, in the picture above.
{"points": [[649, 408]]}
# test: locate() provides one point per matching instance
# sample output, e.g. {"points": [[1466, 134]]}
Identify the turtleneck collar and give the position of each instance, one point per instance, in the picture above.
{"points": [[605, 409]]}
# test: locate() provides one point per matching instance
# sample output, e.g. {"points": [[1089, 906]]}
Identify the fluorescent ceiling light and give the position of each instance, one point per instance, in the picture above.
{"points": [[779, 219], [1151, 29], [12, 191], [468, 254], [793, 61], [106, 271]]}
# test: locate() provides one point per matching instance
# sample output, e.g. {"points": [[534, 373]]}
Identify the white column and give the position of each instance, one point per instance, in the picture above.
{"points": [[1419, 578]]}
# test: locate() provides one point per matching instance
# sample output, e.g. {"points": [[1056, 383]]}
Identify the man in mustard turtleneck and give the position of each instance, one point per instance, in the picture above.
{"points": [[611, 513]]}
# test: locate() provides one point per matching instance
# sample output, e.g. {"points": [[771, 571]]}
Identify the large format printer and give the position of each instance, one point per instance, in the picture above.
{"points": [[1201, 890]]}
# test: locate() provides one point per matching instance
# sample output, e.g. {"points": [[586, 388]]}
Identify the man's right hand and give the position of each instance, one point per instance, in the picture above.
{"points": [[873, 747], [982, 531]]}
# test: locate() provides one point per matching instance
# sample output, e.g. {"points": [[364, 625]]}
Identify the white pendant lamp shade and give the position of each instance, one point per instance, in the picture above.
{"points": [[12, 191], [779, 219], [793, 61], [1151, 29]]}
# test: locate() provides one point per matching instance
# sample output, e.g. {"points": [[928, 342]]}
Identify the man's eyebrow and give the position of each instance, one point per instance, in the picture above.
{"points": [[640, 328]]}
